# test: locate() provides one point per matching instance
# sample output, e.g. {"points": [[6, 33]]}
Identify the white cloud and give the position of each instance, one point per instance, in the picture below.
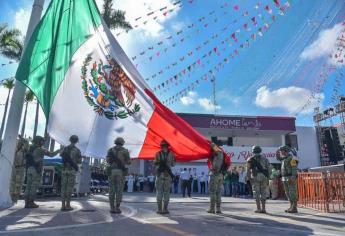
{"points": [[189, 99], [207, 105], [137, 8], [290, 99], [21, 20], [325, 45]]}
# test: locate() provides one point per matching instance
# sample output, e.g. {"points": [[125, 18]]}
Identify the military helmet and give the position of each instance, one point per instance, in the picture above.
{"points": [[38, 140], [256, 149], [74, 139], [119, 141], [284, 148], [164, 143]]}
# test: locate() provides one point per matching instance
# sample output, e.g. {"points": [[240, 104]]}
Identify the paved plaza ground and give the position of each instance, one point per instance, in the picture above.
{"points": [[187, 217]]}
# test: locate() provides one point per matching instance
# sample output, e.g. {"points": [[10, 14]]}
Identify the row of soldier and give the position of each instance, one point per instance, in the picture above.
{"points": [[30, 158]]}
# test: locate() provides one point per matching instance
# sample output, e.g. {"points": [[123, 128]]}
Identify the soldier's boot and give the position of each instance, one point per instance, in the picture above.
{"points": [[112, 207], [218, 210], [63, 205], [117, 209], [27, 203], [211, 209], [159, 210], [31, 204], [289, 209], [258, 207], [68, 205], [165, 208], [293, 208], [263, 207]]}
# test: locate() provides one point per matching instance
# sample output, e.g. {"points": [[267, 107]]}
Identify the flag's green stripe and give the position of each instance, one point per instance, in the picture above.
{"points": [[66, 25]]}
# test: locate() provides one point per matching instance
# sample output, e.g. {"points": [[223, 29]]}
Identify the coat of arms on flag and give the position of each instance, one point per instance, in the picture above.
{"points": [[104, 86]]}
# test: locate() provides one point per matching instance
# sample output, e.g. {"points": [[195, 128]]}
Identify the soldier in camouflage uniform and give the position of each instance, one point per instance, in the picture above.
{"points": [[164, 160], [258, 171], [34, 169], [289, 176], [18, 169], [215, 185], [69, 171], [117, 159]]}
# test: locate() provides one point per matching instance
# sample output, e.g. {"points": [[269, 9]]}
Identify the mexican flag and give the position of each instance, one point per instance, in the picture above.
{"points": [[87, 86]]}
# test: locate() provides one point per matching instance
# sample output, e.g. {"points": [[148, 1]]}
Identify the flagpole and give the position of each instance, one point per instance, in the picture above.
{"points": [[14, 116]]}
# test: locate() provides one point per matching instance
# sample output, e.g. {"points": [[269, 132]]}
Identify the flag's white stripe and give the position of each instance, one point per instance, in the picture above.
{"points": [[71, 114]]}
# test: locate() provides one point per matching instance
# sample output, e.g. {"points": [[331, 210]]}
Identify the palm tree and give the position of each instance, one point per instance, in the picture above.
{"points": [[114, 19], [11, 46], [9, 84], [29, 97]]}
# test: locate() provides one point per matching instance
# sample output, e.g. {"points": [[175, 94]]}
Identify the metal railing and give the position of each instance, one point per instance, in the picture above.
{"points": [[322, 191]]}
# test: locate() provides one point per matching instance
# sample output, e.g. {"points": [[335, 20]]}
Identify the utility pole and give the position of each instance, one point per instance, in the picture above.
{"points": [[15, 113]]}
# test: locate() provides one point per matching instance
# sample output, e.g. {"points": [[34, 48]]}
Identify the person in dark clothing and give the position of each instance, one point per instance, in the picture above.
{"points": [[195, 184], [235, 180], [176, 182], [185, 179], [190, 181]]}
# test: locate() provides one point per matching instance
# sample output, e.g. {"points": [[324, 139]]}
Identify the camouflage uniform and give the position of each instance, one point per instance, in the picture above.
{"points": [[116, 175], [163, 180], [18, 170], [258, 179], [34, 175], [216, 178], [68, 176], [289, 177]]}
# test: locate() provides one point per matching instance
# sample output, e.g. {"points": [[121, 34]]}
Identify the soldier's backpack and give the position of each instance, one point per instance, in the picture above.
{"points": [[226, 163], [29, 159], [66, 158]]}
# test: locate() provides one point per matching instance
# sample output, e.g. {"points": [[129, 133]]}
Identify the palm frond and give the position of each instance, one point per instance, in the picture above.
{"points": [[29, 96], [114, 18], [8, 83]]}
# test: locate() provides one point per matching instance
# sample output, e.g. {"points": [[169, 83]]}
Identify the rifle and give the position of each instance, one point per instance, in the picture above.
{"points": [[66, 158], [164, 167], [259, 168]]}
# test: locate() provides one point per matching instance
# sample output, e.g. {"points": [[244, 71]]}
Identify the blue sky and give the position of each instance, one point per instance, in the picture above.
{"points": [[274, 75]]}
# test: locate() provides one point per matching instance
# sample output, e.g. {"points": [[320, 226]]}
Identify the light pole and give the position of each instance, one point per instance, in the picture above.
{"points": [[15, 113]]}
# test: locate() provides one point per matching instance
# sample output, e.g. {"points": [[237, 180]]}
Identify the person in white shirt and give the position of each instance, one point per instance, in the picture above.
{"points": [[130, 183], [242, 180], [185, 180], [151, 179], [202, 180]]}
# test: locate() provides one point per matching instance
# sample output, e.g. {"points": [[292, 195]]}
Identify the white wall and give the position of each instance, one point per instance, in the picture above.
{"points": [[308, 149], [258, 140]]}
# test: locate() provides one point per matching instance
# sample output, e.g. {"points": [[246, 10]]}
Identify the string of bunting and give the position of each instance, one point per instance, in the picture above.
{"points": [[153, 15], [208, 75], [326, 71], [181, 37], [204, 23], [215, 51]]}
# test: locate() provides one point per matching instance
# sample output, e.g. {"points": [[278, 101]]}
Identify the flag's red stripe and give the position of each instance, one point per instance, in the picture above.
{"points": [[185, 141]]}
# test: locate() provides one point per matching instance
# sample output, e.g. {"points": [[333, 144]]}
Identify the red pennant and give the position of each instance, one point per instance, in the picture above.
{"points": [[277, 3]]}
